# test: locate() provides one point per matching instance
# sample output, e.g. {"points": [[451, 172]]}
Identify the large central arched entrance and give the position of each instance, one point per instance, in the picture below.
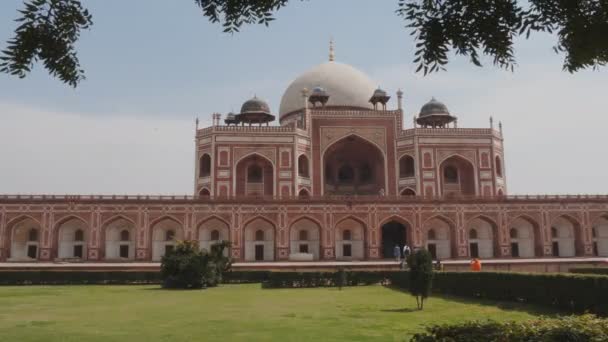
{"points": [[393, 234], [353, 166]]}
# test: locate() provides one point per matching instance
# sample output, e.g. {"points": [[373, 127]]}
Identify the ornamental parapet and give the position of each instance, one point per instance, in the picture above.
{"points": [[466, 132], [587, 198], [245, 129]]}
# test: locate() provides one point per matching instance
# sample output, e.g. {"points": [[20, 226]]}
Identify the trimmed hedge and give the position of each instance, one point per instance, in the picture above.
{"points": [[326, 279], [571, 292], [563, 329], [598, 270], [78, 277]]}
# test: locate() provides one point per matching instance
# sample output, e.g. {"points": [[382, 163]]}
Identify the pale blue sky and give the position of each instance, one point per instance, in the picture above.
{"points": [[154, 65]]}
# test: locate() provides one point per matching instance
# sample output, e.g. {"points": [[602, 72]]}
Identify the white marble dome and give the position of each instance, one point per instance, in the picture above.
{"points": [[345, 85]]}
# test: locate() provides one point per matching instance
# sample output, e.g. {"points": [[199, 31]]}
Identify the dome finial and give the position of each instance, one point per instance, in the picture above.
{"points": [[332, 55]]}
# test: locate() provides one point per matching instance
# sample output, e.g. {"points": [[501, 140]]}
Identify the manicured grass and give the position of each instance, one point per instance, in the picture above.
{"points": [[229, 313]]}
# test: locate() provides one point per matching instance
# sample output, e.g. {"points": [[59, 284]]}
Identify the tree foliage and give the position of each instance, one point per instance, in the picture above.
{"points": [[420, 264], [48, 30], [187, 266], [475, 27]]}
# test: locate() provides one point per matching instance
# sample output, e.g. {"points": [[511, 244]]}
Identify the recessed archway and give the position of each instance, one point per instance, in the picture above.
{"points": [[600, 236], [72, 239], [525, 238], [482, 236], [254, 176], [24, 239], [305, 237], [259, 237], [165, 234], [349, 239], [119, 239], [566, 237], [353, 165], [457, 176], [439, 235], [394, 234], [211, 232]]}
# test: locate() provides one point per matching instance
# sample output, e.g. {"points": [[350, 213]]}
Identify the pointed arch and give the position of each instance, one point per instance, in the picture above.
{"points": [[408, 192], [352, 248], [253, 248], [204, 192], [445, 244], [239, 184], [563, 242], [526, 246], [163, 218], [158, 242], [111, 241], [65, 243], [488, 247], [211, 230], [211, 217], [304, 193], [366, 178], [305, 236], [17, 245], [457, 176]]}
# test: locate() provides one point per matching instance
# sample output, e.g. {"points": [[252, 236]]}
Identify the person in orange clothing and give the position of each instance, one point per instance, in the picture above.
{"points": [[475, 265]]}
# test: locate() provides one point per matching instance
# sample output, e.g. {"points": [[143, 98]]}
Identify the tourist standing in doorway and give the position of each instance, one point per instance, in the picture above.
{"points": [[406, 251], [397, 253]]}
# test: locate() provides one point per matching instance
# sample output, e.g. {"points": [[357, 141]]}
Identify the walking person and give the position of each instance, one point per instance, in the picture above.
{"points": [[397, 253]]}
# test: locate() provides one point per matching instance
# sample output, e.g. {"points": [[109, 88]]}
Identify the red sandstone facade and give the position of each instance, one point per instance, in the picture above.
{"points": [[339, 179]]}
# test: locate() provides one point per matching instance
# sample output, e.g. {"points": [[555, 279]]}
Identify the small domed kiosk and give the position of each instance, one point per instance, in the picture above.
{"points": [[254, 111]]}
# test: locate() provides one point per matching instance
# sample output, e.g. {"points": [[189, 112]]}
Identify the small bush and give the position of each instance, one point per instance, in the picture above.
{"points": [[420, 264], [564, 329], [186, 266]]}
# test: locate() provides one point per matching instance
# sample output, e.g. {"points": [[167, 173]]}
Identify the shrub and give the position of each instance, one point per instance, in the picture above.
{"points": [[564, 329], [420, 264], [186, 266], [598, 270]]}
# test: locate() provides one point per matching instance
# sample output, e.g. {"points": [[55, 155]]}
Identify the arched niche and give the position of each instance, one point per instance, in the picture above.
{"points": [[204, 166], [303, 166], [457, 176], [259, 236], [305, 237], [72, 236], [349, 240], [482, 234], [120, 240], [165, 234], [600, 236], [406, 167], [393, 233], [254, 176], [566, 237], [25, 240], [439, 236], [525, 238], [353, 165], [211, 232]]}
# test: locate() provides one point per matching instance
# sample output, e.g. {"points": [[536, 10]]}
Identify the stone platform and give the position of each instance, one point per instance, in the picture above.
{"points": [[513, 265]]}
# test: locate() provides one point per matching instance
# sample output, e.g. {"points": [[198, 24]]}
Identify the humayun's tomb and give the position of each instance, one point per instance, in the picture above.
{"points": [[339, 179]]}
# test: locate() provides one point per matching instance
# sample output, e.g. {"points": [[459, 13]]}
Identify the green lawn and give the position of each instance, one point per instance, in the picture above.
{"points": [[229, 313]]}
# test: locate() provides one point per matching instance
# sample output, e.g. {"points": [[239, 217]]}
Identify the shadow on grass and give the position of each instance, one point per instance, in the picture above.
{"points": [[403, 310], [529, 308]]}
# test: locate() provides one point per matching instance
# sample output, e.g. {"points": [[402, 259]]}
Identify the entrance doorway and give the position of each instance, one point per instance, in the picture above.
{"points": [[393, 233], [259, 252]]}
